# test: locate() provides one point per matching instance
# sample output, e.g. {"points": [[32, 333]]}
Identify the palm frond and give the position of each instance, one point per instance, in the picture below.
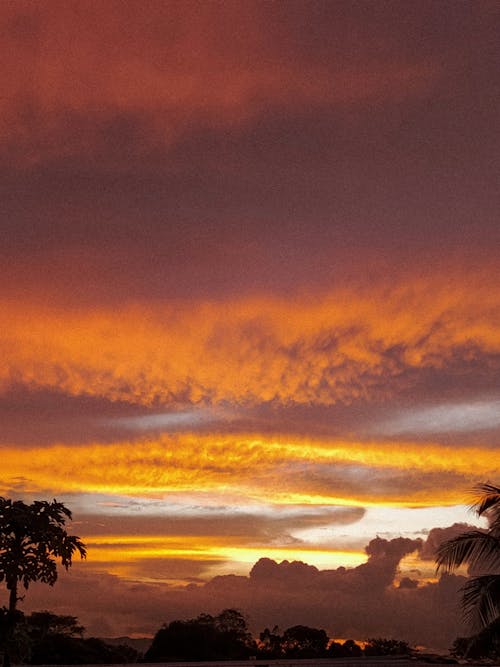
{"points": [[494, 527], [476, 548], [487, 499], [481, 600]]}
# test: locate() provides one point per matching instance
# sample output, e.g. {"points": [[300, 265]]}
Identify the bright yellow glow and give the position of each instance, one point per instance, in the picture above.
{"points": [[266, 470], [112, 548], [321, 558]]}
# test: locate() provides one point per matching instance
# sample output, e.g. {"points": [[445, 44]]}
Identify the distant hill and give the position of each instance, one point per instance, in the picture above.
{"points": [[140, 644]]}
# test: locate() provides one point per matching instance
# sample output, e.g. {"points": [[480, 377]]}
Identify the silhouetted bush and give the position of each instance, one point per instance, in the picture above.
{"points": [[61, 649], [206, 637], [349, 649], [46, 638], [300, 641], [382, 646], [486, 644], [270, 643]]}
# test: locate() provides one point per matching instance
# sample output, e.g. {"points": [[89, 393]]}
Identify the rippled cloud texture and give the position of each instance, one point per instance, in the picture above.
{"points": [[250, 302]]}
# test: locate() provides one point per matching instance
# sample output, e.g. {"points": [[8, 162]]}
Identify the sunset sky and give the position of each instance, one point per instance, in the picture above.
{"points": [[250, 302]]}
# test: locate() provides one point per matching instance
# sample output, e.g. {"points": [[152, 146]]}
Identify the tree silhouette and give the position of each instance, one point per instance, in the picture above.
{"points": [[351, 649], [57, 640], [485, 644], [206, 637], [32, 539], [480, 550], [43, 623], [383, 646], [301, 641], [270, 643]]}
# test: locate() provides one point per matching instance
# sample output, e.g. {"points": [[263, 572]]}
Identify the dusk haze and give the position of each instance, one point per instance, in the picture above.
{"points": [[250, 304]]}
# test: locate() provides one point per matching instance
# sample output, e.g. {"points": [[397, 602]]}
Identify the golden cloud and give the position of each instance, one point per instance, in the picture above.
{"points": [[338, 347], [264, 470], [118, 551]]}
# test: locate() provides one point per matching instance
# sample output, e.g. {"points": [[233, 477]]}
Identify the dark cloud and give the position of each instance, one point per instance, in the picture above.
{"points": [[264, 527], [437, 536], [32, 415], [183, 152], [408, 583], [37, 416]]}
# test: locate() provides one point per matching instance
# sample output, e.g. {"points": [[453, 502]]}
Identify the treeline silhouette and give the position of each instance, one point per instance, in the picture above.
{"points": [[47, 638], [226, 637]]}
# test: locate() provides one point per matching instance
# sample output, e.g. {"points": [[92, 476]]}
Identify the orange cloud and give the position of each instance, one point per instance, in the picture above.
{"points": [[335, 348], [264, 470]]}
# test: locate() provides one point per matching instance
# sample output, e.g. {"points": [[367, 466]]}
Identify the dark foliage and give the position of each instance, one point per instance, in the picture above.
{"points": [[270, 645], [46, 638], [301, 641], [382, 646], [42, 623], [485, 644], [480, 551], [206, 637], [349, 649], [61, 649], [32, 539], [226, 637]]}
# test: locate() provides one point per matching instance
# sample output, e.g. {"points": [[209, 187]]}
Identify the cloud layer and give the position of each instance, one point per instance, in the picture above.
{"points": [[339, 347], [277, 470]]}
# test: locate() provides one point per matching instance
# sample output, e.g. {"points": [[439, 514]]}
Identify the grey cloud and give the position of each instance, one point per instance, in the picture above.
{"points": [[448, 417], [37, 416], [41, 416], [265, 527], [437, 536]]}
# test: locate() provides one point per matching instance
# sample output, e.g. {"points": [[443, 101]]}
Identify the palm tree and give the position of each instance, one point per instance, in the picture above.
{"points": [[480, 551]]}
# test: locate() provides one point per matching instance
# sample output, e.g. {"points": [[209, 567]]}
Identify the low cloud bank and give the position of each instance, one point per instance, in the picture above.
{"points": [[357, 602]]}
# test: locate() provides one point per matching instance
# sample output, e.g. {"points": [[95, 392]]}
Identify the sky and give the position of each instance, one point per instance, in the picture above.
{"points": [[250, 303]]}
